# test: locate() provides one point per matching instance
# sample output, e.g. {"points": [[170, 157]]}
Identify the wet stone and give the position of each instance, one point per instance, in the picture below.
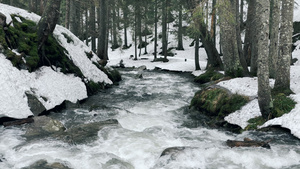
{"points": [[43, 164]]}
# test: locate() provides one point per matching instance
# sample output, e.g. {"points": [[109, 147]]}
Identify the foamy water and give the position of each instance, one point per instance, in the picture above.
{"points": [[151, 116]]}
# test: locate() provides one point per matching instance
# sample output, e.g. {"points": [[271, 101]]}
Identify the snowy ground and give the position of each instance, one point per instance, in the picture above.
{"points": [[184, 61], [50, 87], [14, 83]]}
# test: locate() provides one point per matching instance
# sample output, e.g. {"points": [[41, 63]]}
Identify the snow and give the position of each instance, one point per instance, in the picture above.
{"points": [[14, 83], [50, 87]]}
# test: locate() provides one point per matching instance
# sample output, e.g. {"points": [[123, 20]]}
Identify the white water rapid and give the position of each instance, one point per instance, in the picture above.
{"points": [[151, 113]]}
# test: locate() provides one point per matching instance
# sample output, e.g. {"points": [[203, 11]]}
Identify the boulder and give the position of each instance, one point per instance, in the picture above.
{"points": [[85, 132], [44, 164], [172, 150], [35, 105], [44, 126]]}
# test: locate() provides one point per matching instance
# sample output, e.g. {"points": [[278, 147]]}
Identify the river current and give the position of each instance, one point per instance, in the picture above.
{"points": [[152, 112]]}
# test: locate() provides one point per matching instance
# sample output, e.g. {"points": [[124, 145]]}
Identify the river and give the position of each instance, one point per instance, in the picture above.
{"points": [[152, 112]]}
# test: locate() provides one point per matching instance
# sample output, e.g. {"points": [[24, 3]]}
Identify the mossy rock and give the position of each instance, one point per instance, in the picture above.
{"points": [[208, 76], [217, 102], [23, 37], [93, 87]]}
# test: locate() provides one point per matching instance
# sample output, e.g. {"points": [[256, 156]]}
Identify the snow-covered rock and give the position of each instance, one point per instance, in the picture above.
{"points": [[50, 87]]}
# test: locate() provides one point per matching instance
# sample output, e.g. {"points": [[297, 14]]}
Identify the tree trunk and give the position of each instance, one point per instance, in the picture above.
{"points": [[103, 29], [93, 27], [125, 24], [46, 27], [274, 36], [249, 31], [254, 41], [264, 91], [232, 65], [180, 43], [115, 44], [197, 65], [155, 30], [213, 22], [239, 39], [33, 6], [164, 29], [67, 19], [282, 81]]}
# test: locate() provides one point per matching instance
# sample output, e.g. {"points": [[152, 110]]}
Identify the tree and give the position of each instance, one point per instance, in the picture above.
{"points": [[164, 29], [232, 65], [75, 17], [103, 31], [155, 29], [274, 36], [282, 80], [46, 26], [213, 58], [92, 25], [179, 35], [264, 91], [250, 31]]}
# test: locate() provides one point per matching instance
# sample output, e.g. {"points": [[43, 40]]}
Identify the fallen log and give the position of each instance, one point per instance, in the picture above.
{"points": [[248, 143], [18, 122]]}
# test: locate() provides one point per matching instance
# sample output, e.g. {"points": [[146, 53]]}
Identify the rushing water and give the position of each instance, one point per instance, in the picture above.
{"points": [[151, 113]]}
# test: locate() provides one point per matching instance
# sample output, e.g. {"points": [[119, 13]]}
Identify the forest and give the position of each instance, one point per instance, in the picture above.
{"points": [[255, 36], [62, 60]]}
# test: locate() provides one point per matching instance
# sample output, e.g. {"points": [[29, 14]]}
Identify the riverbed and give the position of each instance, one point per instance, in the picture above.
{"points": [[153, 115]]}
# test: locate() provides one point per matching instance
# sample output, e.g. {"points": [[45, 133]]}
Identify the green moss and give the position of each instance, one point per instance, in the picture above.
{"points": [[15, 59], [2, 38], [282, 105], [208, 76], [93, 87], [217, 102], [254, 122], [23, 37]]}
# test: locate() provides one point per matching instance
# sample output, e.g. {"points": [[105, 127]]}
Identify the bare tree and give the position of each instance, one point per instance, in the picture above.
{"points": [[282, 81], [264, 91]]}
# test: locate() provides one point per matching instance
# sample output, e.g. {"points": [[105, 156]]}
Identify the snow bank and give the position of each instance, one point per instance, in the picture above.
{"points": [[77, 52], [50, 87]]}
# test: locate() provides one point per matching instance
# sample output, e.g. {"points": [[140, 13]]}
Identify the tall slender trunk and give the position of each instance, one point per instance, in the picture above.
{"points": [[213, 22], [264, 91], [274, 36], [282, 81], [239, 39], [103, 29], [164, 29], [93, 26], [67, 19], [231, 59], [125, 17], [197, 43], [180, 42], [249, 31], [155, 31]]}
